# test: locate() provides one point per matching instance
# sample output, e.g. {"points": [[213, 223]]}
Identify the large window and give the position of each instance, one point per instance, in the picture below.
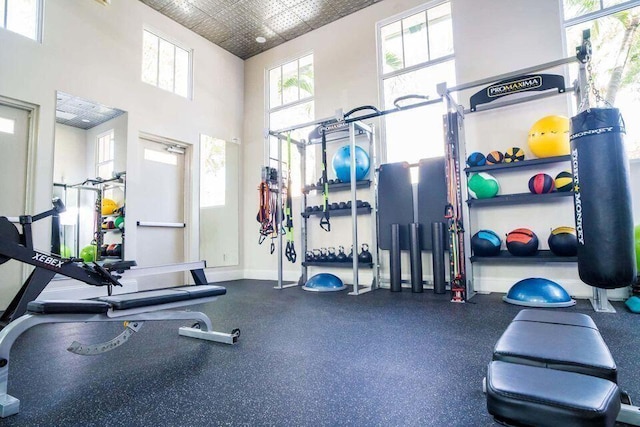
{"points": [[290, 102], [165, 65], [415, 54], [105, 149], [615, 38], [22, 16]]}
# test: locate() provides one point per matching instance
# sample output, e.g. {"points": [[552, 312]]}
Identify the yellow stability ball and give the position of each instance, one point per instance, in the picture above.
{"points": [[109, 206], [549, 136]]}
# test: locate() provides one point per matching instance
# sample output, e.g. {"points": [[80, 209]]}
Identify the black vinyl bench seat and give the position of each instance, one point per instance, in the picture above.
{"points": [[530, 395], [564, 347], [556, 317], [126, 301]]}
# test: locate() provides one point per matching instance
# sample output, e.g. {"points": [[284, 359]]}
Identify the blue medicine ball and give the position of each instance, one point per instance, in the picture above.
{"points": [[486, 243], [341, 163]]}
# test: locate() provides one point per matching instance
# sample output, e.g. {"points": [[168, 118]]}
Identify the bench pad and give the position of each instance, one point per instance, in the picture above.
{"points": [[162, 296], [559, 317], [68, 307], [563, 347], [529, 395]]}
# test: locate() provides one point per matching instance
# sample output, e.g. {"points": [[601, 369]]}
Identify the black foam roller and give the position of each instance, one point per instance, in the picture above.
{"points": [[415, 256], [437, 242], [602, 199], [394, 259]]}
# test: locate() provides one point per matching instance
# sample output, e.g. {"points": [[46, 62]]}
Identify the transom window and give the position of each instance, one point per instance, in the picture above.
{"points": [[165, 64], [22, 16], [415, 54]]}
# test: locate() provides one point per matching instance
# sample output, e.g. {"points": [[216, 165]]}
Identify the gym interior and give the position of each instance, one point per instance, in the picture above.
{"points": [[352, 212]]}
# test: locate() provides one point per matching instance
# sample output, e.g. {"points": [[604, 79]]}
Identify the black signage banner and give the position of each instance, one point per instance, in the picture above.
{"points": [[527, 83]]}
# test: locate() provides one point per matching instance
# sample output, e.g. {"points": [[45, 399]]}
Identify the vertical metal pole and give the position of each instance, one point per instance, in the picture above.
{"points": [[581, 90], [278, 222], [77, 245], [302, 149], [374, 208], [354, 206]]}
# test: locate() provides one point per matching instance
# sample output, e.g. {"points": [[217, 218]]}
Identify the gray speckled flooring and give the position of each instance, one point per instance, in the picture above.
{"points": [[304, 359]]}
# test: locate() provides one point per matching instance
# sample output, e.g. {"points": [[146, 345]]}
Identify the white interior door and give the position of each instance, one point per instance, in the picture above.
{"points": [[162, 205], [14, 142]]}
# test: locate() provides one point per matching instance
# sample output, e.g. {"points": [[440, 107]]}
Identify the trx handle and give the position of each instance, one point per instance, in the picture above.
{"points": [[325, 224]]}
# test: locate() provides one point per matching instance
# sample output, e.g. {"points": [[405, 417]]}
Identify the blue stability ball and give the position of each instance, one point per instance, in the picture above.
{"points": [[324, 282], [538, 292], [341, 163]]}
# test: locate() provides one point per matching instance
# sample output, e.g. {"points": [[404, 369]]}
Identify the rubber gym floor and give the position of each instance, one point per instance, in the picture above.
{"points": [[303, 359]]}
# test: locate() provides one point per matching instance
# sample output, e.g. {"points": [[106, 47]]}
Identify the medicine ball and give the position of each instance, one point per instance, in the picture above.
{"points": [[541, 183], [109, 206], [341, 163], [564, 181], [513, 154], [482, 186], [485, 243], [522, 242], [549, 136], [563, 241], [89, 253], [476, 159], [495, 157]]}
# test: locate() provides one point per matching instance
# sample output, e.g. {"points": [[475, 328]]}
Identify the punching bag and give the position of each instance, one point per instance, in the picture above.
{"points": [[602, 199]]}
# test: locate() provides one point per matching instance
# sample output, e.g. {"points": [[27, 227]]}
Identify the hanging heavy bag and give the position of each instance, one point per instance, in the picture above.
{"points": [[602, 199]]}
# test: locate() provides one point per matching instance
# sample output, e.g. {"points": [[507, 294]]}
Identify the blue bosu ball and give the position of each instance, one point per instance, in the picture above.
{"points": [[324, 282], [341, 163], [538, 292]]}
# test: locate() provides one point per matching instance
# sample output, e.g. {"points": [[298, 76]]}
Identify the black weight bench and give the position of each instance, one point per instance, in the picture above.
{"points": [[553, 368], [135, 308]]}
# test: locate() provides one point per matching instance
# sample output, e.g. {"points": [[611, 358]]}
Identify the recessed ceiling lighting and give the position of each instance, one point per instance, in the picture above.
{"points": [[86, 120], [261, 39]]}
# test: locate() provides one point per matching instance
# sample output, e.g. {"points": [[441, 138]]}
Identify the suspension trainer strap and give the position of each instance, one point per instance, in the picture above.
{"points": [[324, 221], [290, 251], [264, 212]]}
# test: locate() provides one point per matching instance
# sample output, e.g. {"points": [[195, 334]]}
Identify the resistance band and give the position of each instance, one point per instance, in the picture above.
{"points": [[324, 221], [264, 211], [290, 251]]}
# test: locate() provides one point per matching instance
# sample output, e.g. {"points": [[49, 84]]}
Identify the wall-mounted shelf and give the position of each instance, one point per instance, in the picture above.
{"points": [[335, 264], [507, 257], [108, 230], [519, 165], [338, 212], [519, 199], [342, 186]]}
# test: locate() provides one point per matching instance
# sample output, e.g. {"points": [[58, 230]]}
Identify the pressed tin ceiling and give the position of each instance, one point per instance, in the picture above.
{"points": [[235, 24]]}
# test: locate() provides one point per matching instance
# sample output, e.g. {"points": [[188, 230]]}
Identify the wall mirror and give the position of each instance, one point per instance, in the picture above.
{"points": [[89, 176], [219, 201]]}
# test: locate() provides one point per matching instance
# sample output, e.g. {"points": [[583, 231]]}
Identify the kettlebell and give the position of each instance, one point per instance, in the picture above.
{"points": [[309, 257], [350, 256], [331, 256], [341, 257], [323, 254], [342, 205], [316, 255], [365, 256]]}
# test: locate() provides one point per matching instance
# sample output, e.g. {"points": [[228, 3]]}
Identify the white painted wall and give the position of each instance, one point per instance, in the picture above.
{"points": [[490, 38], [70, 145], [94, 52]]}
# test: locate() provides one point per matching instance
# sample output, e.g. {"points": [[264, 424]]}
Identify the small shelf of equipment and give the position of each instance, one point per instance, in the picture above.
{"points": [[518, 199], [541, 256]]}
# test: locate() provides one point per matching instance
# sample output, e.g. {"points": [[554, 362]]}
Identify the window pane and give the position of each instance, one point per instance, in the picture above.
{"points": [[306, 76], [212, 171], [414, 31], [105, 170], [150, 58], [575, 8], [22, 17], [405, 141], [289, 85], [165, 75], [182, 72], [275, 98], [609, 3], [1, 14], [616, 74], [391, 37], [7, 125], [440, 31]]}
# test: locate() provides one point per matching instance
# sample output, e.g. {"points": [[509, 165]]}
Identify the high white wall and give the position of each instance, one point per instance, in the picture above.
{"points": [[490, 38], [94, 52]]}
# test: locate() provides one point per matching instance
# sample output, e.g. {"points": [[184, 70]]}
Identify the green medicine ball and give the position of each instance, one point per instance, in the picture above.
{"points": [[483, 186]]}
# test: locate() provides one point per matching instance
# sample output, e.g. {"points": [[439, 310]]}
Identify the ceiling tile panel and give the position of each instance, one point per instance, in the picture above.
{"points": [[184, 12], [234, 24]]}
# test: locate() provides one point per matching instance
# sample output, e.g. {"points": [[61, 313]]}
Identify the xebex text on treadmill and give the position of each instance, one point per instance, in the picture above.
{"points": [[46, 259]]}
